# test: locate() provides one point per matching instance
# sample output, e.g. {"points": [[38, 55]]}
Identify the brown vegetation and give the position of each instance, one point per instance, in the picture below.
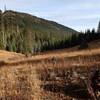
{"points": [[60, 75]]}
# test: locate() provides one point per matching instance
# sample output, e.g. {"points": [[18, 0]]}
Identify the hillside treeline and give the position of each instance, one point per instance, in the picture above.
{"points": [[19, 33], [23, 44], [24, 33]]}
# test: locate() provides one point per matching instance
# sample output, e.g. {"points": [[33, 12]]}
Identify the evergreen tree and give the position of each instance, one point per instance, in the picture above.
{"points": [[98, 29]]}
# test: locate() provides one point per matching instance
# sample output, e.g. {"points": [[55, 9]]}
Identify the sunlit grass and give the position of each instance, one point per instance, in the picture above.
{"points": [[47, 76]]}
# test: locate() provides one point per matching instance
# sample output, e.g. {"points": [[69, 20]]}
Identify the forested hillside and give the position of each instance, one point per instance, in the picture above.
{"points": [[24, 33], [20, 32]]}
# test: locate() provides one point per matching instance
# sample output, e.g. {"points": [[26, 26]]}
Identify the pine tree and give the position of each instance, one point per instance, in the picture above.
{"points": [[98, 29]]}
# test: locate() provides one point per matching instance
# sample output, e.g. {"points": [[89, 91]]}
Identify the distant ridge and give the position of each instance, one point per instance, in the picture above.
{"points": [[29, 32]]}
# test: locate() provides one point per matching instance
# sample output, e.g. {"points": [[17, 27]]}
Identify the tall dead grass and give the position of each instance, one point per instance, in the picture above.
{"points": [[45, 77], [19, 83]]}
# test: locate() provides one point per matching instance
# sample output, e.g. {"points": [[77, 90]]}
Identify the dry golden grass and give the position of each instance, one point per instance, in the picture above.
{"points": [[47, 76], [19, 83], [10, 56]]}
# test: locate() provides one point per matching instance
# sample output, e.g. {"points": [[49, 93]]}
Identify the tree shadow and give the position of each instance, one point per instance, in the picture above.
{"points": [[73, 90]]}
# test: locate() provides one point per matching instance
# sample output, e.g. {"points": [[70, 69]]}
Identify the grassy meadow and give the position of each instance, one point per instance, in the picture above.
{"points": [[56, 75]]}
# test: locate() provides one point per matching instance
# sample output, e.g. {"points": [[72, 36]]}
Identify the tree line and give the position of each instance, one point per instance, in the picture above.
{"points": [[82, 39], [17, 39]]}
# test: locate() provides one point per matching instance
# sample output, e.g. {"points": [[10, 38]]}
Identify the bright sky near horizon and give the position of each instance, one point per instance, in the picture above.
{"points": [[77, 14]]}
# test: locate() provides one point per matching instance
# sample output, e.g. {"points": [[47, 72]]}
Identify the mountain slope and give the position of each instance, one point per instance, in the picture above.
{"points": [[22, 32]]}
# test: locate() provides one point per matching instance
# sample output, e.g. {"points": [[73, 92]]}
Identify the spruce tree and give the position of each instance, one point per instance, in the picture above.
{"points": [[98, 29]]}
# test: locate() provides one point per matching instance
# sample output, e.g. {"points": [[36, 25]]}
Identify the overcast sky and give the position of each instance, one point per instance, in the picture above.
{"points": [[77, 14]]}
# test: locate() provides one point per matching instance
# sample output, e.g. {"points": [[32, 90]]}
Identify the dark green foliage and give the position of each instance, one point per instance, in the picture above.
{"points": [[20, 32], [87, 37]]}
